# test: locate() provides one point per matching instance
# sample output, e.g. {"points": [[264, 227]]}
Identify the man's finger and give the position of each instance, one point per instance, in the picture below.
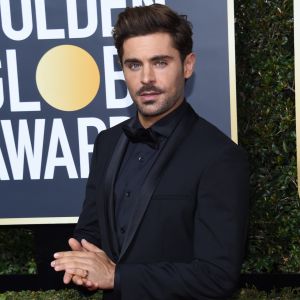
{"points": [[63, 264], [70, 254], [78, 272], [89, 246], [77, 280], [67, 278], [91, 286], [75, 245]]}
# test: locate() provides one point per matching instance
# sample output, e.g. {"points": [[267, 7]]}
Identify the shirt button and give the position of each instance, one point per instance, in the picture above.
{"points": [[127, 194], [141, 158], [123, 230]]}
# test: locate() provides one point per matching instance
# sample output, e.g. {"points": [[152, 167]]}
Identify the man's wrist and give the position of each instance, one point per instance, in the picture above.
{"points": [[113, 272]]}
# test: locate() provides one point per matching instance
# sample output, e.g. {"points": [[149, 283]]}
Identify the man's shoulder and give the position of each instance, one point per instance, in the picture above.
{"points": [[211, 132], [210, 139], [107, 139], [204, 132], [113, 132]]}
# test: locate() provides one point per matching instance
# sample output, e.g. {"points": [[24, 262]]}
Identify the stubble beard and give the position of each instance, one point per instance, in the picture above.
{"points": [[149, 110], [154, 108]]}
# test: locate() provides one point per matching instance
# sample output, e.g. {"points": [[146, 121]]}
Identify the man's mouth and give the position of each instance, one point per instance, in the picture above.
{"points": [[147, 91], [150, 93], [149, 97]]}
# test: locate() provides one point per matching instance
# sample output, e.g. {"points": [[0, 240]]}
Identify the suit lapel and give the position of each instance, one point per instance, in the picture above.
{"points": [[153, 178]]}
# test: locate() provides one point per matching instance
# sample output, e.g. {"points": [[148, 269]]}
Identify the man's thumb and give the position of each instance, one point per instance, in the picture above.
{"points": [[75, 245], [89, 246]]}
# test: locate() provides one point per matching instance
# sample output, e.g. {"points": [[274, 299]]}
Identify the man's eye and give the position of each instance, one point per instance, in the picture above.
{"points": [[160, 63], [134, 66]]}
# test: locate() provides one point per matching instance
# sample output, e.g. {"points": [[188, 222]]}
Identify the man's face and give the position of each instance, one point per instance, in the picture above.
{"points": [[155, 75]]}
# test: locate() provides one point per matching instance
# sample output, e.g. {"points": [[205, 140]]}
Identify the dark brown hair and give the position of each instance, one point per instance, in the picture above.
{"points": [[143, 20]]}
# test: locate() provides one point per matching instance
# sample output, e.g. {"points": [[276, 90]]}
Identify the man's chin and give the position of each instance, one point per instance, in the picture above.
{"points": [[151, 113]]}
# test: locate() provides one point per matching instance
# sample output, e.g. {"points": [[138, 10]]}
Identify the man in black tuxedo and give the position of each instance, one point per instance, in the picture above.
{"points": [[166, 205]]}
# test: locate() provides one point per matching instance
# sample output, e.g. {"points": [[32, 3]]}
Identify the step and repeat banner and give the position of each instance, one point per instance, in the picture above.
{"points": [[61, 84]]}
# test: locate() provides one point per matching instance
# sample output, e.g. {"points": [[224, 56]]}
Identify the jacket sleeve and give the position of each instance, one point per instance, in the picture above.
{"points": [[88, 225], [220, 225]]}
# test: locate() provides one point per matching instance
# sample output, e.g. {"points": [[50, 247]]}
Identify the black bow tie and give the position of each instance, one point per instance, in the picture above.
{"points": [[142, 135]]}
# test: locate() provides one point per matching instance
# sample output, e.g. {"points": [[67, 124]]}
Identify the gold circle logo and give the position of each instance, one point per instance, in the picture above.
{"points": [[67, 77]]}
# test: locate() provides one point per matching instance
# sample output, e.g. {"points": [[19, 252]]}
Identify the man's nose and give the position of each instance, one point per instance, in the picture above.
{"points": [[148, 74]]}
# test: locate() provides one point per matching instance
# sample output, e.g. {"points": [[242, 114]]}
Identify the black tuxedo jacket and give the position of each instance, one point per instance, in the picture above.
{"points": [[187, 234]]}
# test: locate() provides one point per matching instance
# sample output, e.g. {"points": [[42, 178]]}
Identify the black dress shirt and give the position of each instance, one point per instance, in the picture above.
{"points": [[136, 164]]}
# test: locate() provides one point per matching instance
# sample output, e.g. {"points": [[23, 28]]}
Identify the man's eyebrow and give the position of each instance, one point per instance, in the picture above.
{"points": [[154, 58], [131, 60], [161, 57]]}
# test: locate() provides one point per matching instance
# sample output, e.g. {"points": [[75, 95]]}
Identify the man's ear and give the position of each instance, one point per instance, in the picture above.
{"points": [[188, 65]]}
